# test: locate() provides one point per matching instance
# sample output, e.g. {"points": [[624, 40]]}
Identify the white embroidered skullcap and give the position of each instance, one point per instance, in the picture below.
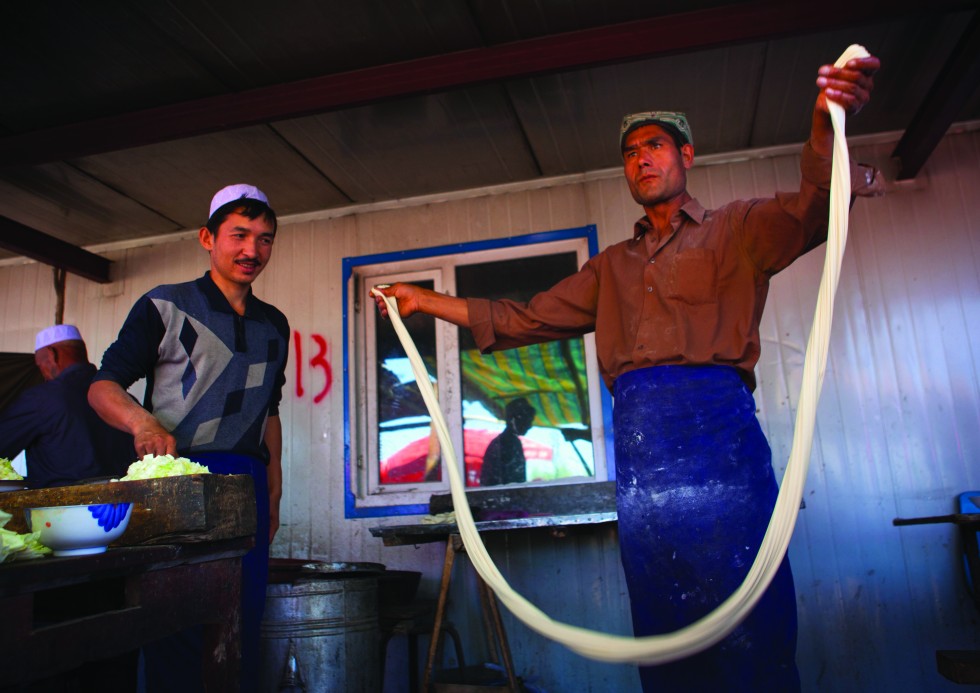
{"points": [[238, 191], [54, 334]]}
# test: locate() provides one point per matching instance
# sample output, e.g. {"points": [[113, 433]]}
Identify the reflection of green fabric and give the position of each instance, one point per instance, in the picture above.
{"points": [[551, 376]]}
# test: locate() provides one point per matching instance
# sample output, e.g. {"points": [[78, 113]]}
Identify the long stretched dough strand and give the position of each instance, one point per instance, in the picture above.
{"points": [[658, 649]]}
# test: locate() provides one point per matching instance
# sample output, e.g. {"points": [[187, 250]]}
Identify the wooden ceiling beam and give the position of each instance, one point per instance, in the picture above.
{"points": [[956, 84], [23, 240], [675, 33]]}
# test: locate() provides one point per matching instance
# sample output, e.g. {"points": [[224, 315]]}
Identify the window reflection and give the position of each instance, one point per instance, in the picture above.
{"points": [[549, 378], [407, 444]]}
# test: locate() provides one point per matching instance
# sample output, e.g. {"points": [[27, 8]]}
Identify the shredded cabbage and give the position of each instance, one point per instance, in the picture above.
{"points": [[155, 467], [7, 471], [18, 547]]}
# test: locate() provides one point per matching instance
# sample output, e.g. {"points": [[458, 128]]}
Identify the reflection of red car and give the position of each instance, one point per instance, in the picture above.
{"points": [[407, 466]]}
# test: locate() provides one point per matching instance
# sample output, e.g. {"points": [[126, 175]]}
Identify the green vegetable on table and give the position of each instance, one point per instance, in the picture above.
{"points": [[19, 547], [7, 471], [157, 466]]}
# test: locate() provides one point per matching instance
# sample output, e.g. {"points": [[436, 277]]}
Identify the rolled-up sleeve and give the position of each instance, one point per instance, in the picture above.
{"points": [[481, 324], [866, 180]]}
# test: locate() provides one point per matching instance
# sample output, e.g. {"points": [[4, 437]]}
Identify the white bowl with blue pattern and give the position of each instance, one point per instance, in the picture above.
{"points": [[78, 530]]}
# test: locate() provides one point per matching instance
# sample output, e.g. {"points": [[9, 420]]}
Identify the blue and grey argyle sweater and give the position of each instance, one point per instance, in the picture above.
{"points": [[212, 376]]}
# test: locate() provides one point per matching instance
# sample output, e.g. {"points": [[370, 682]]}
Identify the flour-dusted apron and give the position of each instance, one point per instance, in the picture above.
{"points": [[694, 491]]}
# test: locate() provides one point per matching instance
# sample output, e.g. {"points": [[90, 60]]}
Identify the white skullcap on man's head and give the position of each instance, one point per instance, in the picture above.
{"points": [[233, 193], [54, 334]]}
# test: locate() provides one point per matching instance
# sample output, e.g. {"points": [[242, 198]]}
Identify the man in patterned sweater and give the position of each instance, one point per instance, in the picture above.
{"points": [[214, 359]]}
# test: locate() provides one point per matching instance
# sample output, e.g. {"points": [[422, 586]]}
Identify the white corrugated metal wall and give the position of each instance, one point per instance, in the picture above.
{"points": [[897, 436]]}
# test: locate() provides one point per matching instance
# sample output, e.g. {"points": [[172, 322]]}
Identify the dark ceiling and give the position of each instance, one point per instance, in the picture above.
{"points": [[120, 119]]}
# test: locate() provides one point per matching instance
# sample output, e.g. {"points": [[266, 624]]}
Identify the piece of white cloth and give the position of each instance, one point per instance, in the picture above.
{"points": [[658, 649]]}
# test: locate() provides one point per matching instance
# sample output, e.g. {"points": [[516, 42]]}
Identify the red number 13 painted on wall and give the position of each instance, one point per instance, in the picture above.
{"points": [[318, 361]]}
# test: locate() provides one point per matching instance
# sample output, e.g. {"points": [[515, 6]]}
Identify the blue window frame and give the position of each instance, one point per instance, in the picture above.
{"points": [[392, 462]]}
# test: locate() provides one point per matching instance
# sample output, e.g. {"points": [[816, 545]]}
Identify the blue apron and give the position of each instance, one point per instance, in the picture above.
{"points": [[174, 663], [695, 491], [255, 563]]}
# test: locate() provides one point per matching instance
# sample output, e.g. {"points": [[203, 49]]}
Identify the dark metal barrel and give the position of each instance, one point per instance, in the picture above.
{"points": [[320, 628]]}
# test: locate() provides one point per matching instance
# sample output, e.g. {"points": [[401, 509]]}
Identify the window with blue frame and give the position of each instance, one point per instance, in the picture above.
{"points": [[534, 415]]}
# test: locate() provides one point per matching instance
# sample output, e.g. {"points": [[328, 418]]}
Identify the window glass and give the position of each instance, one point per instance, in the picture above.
{"points": [[408, 450], [526, 415]]}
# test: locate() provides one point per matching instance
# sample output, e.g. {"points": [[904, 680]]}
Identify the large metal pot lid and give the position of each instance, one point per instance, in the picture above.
{"points": [[295, 569], [345, 568]]}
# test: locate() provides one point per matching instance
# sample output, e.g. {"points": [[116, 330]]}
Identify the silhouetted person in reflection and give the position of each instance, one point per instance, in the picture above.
{"points": [[503, 462]]}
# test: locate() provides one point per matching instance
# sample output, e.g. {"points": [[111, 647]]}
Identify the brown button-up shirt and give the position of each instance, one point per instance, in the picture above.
{"points": [[692, 297]]}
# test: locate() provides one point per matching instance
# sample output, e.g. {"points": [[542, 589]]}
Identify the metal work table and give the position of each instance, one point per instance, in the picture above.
{"points": [[400, 535], [960, 666]]}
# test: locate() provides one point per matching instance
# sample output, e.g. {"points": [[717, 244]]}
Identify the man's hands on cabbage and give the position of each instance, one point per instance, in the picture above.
{"points": [[157, 466]]}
